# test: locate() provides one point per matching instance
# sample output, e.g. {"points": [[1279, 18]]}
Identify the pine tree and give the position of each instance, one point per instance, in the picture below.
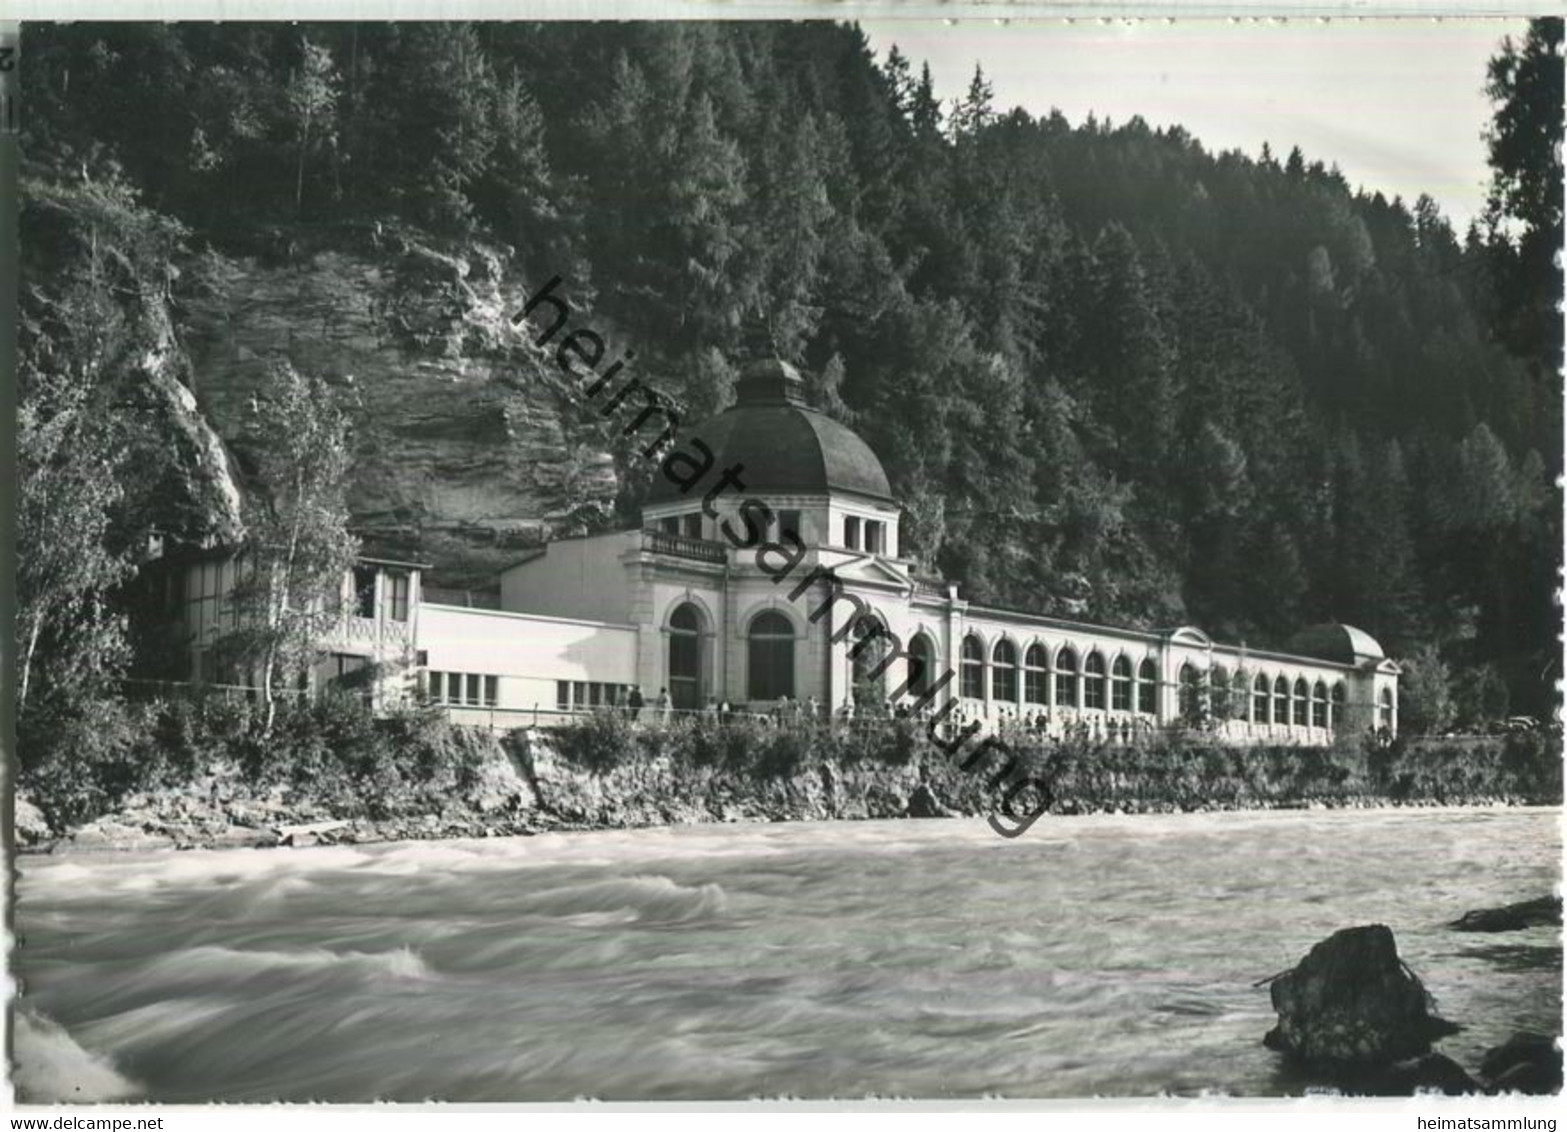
{"points": [[1525, 142], [900, 81], [925, 107], [975, 110]]}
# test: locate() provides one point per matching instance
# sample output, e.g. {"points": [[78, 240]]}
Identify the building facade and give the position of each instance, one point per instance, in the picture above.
{"points": [[768, 566]]}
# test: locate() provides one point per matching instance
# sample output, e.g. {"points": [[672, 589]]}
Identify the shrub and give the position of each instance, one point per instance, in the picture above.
{"points": [[79, 762], [730, 746], [599, 743], [783, 751]]}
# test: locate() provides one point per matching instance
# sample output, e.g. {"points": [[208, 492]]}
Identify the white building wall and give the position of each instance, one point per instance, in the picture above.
{"points": [[528, 653], [581, 578]]}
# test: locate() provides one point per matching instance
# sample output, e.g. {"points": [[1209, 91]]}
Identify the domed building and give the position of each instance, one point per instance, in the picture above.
{"points": [[768, 566]]}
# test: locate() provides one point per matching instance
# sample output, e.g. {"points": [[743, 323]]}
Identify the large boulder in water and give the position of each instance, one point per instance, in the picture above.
{"points": [[1544, 912], [1525, 1063], [1351, 1004], [1428, 1073]]}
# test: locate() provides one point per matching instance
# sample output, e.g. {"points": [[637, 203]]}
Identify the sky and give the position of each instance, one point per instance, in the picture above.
{"points": [[1398, 104]]}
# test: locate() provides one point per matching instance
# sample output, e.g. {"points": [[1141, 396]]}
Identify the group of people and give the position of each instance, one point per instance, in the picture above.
{"points": [[787, 711]]}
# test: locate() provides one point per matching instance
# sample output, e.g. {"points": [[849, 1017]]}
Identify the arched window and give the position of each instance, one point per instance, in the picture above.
{"points": [[1219, 692], [1121, 684], [922, 666], [1281, 700], [685, 657], [1003, 676], [973, 669], [1319, 705], [1094, 681], [1336, 718], [1191, 704], [1148, 688], [1385, 709], [1259, 699], [771, 652], [1300, 702], [1035, 672], [867, 656], [1066, 679]]}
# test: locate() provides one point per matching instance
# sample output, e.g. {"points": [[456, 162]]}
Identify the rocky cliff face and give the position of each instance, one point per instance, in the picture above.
{"points": [[468, 446]]}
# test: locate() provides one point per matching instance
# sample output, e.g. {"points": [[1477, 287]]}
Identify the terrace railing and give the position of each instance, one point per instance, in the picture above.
{"points": [[684, 546]]}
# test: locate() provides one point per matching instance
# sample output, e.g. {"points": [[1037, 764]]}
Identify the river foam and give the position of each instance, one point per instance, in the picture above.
{"points": [[1103, 955]]}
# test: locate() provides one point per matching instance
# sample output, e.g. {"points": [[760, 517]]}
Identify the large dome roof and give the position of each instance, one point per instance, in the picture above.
{"points": [[786, 447], [1343, 643]]}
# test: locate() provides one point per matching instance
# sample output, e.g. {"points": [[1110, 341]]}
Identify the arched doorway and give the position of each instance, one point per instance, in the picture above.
{"points": [[922, 666], [868, 654], [685, 657], [770, 657]]}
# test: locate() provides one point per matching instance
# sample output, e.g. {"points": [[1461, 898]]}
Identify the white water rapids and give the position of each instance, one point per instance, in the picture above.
{"points": [[1092, 956]]}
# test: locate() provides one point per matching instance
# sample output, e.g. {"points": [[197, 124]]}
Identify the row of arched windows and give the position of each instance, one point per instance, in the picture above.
{"points": [[1260, 699], [770, 641], [1085, 682], [1076, 681]]}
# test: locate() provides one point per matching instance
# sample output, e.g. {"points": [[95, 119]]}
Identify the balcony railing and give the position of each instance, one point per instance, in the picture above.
{"points": [[684, 546], [930, 587]]}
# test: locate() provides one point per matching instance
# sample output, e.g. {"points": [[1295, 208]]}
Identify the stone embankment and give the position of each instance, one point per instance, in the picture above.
{"points": [[526, 786]]}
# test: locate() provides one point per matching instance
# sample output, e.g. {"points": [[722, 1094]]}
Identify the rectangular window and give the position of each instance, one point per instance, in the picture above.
{"points": [[789, 523], [364, 591], [670, 524], [693, 525], [579, 695], [345, 671], [873, 531], [491, 690], [473, 689], [454, 687], [395, 596], [563, 695], [851, 532]]}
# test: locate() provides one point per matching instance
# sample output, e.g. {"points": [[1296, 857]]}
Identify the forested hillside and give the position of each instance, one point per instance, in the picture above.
{"points": [[1112, 374]]}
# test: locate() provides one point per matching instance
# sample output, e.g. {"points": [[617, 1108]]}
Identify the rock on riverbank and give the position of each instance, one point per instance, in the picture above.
{"points": [[1353, 1003], [1544, 912], [1353, 1016]]}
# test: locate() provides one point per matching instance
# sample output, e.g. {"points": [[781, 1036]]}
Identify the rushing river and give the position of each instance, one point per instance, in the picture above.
{"points": [[1093, 956]]}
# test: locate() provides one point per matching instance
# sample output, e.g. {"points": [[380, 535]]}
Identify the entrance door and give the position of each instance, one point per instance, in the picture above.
{"points": [[685, 658]]}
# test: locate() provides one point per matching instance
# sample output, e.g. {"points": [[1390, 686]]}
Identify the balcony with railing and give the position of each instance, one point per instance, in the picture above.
{"points": [[684, 546]]}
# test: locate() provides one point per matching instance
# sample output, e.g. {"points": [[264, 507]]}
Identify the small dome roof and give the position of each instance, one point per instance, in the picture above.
{"points": [[1343, 643], [785, 446]]}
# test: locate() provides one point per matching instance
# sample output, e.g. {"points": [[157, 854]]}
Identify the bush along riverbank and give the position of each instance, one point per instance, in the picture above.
{"points": [[195, 774]]}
